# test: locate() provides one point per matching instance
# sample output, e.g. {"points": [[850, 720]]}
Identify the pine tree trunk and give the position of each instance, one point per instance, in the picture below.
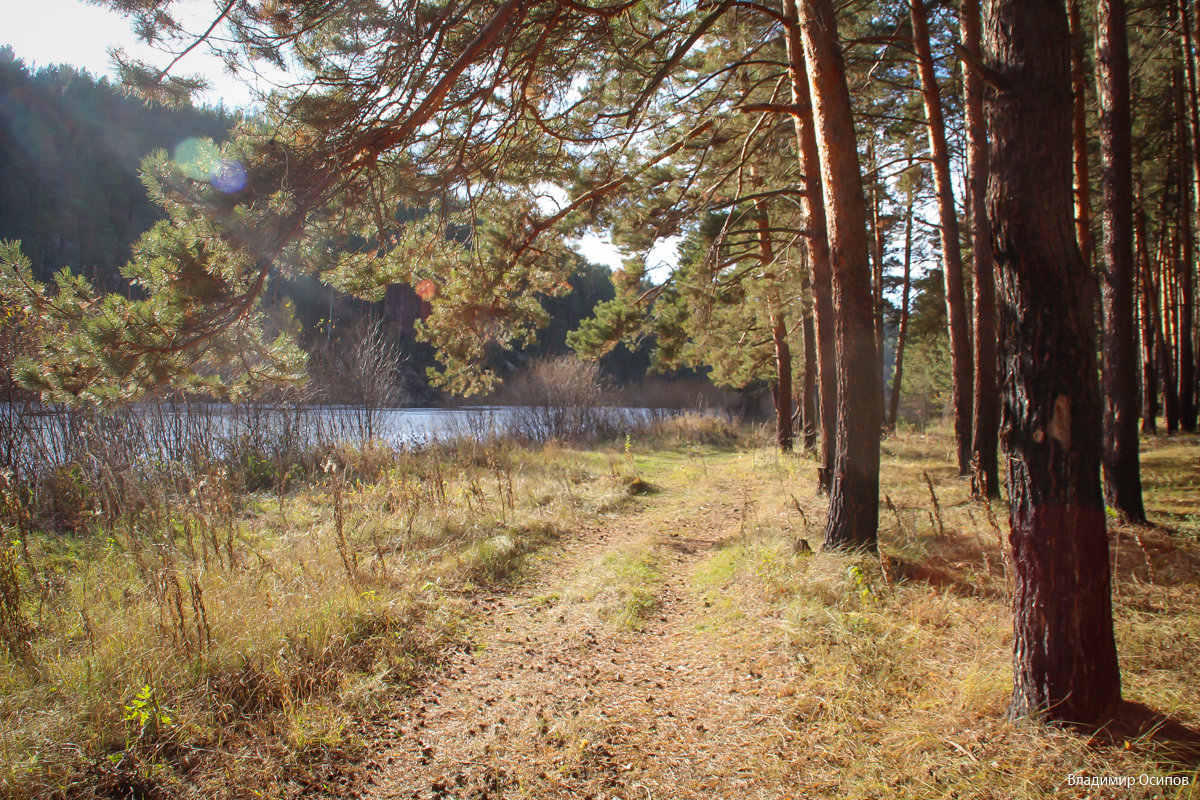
{"points": [[1187, 353], [1166, 366], [1122, 472], [1079, 148], [853, 519], [1064, 656], [782, 389], [985, 423], [820, 264], [956, 314], [877, 250], [1149, 373], [1181, 285], [1182, 255], [1194, 336], [1187, 356], [902, 328], [807, 401]]}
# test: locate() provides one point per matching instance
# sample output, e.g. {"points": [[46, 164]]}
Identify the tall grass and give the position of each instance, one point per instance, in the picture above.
{"points": [[901, 664], [179, 581]]}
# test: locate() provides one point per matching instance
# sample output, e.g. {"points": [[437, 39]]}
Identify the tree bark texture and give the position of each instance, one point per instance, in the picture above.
{"points": [[820, 269], [1064, 654], [853, 519], [986, 417], [1122, 471], [1146, 285], [902, 328], [952, 266]]}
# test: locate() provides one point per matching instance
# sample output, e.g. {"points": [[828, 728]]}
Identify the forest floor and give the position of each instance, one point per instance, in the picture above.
{"points": [[609, 673], [693, 646], [629, 622]]}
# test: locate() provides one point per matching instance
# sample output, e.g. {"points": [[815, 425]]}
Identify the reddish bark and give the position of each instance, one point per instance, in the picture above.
{"points": [[854, 492], [818, 247], [1064, 654], [986, 417], [952, 265]]}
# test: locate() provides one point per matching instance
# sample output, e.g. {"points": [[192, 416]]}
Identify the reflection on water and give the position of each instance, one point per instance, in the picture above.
{"points": [[35, 439], [400, 426]]}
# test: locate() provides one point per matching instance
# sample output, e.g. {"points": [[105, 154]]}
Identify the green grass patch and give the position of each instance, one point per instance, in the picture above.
{"points": [[621, 587]]}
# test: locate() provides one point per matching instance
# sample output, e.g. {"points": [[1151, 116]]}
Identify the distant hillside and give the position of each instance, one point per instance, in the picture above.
{"points": [[70, 146]]}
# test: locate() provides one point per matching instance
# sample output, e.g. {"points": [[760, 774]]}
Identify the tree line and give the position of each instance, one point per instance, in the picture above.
{"points": [[787, 143], [71, 147]]}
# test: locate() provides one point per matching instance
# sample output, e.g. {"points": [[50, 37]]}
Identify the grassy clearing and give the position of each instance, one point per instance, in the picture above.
{"points": [[621, 586], [903, 663], [223, 642]]}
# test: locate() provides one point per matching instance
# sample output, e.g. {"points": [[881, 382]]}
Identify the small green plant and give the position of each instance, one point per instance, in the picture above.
{"points": [[15, 631], [865, 592], [146, 714], [259, 474], [628, 464]]}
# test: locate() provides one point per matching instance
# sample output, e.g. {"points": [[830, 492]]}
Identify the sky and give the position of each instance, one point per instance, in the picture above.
{"points": [[46, 32]]}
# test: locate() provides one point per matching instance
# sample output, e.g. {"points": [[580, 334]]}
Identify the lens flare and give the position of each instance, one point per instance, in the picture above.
{"points": [[229, 177], [201, 160], [197, 158]]}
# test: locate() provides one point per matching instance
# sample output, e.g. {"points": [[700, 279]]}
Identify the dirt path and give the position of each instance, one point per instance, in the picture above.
{"points": [[555, 701]]}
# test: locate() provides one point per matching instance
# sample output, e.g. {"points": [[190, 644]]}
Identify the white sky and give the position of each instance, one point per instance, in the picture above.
{"points": [[46, 32]]}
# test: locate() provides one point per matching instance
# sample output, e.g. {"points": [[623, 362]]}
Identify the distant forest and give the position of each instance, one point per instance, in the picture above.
{"points": [[71, 146]]}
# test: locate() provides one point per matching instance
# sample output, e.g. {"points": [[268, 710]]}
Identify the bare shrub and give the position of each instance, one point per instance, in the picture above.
{"points": [[559, 398], [360, 371]]}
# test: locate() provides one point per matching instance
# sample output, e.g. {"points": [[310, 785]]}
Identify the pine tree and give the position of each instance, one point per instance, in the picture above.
{"points": [[952, 264], [1122, 478], [1065, 660], [854, 491]]}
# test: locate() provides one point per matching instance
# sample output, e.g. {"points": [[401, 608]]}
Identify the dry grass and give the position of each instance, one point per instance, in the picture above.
{"points": [[230, 645], [620, 586], [903, 663], [223, 643]]}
